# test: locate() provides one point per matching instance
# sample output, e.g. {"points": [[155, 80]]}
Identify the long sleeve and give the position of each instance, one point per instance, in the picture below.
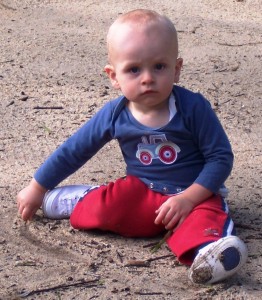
{"points": [[212, 141], [77, 149]]}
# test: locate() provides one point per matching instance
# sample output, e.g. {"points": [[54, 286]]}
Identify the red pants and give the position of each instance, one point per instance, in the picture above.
{"points": [[127, 207]]}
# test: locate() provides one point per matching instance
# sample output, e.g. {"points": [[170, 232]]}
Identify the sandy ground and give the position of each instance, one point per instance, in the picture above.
{"points": [[52, 55]]}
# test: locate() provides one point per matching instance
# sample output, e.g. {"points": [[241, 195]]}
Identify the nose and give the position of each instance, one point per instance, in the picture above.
{"points": [[147, 77]]}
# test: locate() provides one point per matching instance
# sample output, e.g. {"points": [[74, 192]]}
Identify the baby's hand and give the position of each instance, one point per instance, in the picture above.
{"points": [[174, 211], [29, 200]]}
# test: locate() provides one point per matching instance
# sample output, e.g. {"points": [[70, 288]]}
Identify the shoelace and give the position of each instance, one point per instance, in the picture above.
{"points": [[69, 204]]}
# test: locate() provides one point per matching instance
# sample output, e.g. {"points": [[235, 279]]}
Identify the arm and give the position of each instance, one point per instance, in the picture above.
{"points": [[213, 144], [76, 150], [69, 157]]}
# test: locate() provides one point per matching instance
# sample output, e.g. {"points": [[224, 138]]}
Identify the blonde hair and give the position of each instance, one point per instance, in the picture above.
{"points": [[142, 17]]}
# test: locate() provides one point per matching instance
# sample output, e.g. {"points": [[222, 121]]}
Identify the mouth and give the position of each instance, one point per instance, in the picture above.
{"points": [[149, 92]]}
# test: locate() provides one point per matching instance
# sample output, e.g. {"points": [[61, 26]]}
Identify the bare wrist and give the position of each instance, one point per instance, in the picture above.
{"points": [[35, 185]]}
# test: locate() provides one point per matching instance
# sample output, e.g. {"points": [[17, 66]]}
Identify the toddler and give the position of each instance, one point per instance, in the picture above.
{"points": [[176, 152]]}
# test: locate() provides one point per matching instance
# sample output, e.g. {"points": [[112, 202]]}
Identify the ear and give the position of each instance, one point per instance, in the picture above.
{"points": [[110, 71], [178, 68]]}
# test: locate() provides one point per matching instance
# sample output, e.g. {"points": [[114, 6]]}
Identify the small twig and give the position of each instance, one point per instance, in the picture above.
{"points": [[6, 61], [138, 263], [48, 107], [26, 263], [150, 245], [119, 255], [148, 293], [239, 45], [10, 103], [86, 283], [161, 242], [160, 257], [48, 130], [226, 101], [146, 263]]}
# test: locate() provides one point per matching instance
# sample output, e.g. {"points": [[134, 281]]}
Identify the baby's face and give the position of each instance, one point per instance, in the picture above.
{"points": [[144, 62]]}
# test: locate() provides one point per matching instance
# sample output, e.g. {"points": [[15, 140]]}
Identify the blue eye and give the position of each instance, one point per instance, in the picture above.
{"points": [[159, 67], [134, 70]]}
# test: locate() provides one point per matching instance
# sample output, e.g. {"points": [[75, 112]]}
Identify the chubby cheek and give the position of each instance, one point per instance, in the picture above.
{"points": [[128, 91], [166, 84], [128, 87]]}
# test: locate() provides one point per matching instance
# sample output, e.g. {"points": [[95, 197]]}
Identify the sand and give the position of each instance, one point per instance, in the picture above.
{"points": [[52, 54]]}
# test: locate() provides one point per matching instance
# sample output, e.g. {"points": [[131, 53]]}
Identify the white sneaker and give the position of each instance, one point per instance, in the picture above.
{"points": [[60, 202], [218, 260]]}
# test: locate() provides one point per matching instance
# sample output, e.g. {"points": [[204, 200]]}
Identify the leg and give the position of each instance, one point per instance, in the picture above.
{"points": [[60, 202], [126, 207], [208, 224]]}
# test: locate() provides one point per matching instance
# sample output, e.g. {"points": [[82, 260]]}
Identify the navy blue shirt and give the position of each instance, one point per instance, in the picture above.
{"points": [[192, 147]]}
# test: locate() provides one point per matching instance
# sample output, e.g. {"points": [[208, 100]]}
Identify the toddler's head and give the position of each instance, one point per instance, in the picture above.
{"points": [[138, 22], [143, 55]]}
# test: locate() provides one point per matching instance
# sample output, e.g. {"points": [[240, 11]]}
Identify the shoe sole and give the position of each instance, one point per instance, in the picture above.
{"points": [[205, 274], [45, 206]]}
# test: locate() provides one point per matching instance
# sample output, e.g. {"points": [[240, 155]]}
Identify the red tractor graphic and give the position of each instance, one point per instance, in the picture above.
{"points": [[158, 147]]}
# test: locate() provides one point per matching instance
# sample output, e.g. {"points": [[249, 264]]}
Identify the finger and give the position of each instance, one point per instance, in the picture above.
{"points": [[159, 209], [27, 214], [161, 215], [170, 215], [178, 224], [23, 215], [172, 223]]}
